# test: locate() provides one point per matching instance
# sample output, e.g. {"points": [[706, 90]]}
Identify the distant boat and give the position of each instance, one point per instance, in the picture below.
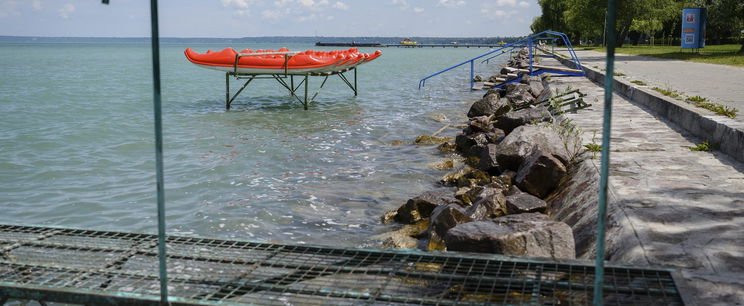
{"points": [[280, 61], [408, 42]]}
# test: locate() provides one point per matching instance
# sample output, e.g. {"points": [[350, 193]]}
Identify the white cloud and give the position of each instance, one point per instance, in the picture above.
{"points": [[8, 8], [241, 7], [244, 4], [274, 14], [451, 3], [418, 9], [402, 4], [511, 3], [283, 3], [524, 4], [66, 10], [340, 5], [36, 4]]}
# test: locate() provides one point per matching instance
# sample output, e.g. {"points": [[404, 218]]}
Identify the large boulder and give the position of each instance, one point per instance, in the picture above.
{"points": [[446, 217], [530, 137], [487, 161], [511, 155], [465, 141], [511, 120], [537, 88], [487, 206], [522, 235], [525, 203], [540, 174], [519, 95], [420, 207], [489, 105]]}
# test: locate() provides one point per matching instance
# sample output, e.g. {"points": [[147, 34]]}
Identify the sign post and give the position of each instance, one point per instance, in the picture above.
{"points": [[693, 28]]}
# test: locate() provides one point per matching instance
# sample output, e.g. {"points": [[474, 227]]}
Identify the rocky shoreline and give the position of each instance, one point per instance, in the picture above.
{"points": [[517, 151]]}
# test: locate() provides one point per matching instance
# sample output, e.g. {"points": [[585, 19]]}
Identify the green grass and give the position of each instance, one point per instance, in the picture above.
{"points": [[593, 147], [618, 74], [712, 54], [704, 147], [717, 108], [637, 82], [667, 92]]}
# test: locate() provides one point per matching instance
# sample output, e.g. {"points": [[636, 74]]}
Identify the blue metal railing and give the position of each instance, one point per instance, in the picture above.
{"points": [[525, 42]]}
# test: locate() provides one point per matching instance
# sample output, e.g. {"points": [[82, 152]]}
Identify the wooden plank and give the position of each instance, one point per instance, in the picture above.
{"points": [[563, 69]]}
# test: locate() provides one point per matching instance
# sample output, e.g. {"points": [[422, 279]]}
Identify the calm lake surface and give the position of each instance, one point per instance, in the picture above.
{"points": [[76, 143]]}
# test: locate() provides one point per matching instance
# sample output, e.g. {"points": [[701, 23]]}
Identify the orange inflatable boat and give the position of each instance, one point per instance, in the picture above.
{"points": [[280, 61]]}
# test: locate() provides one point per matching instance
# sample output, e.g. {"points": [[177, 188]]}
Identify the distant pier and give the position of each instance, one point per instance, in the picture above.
{"points": [[355, 44]]}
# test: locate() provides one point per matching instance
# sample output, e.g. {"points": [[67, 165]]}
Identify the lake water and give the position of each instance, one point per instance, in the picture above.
{"points": [[76, 143]]}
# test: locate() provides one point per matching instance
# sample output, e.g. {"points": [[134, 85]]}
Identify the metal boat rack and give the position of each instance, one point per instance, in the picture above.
{"points": [[281, 78], [94, 267]]}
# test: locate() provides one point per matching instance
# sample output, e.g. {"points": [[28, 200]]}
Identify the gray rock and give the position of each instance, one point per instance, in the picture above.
{"points": [[520, 96], [512, 191], [525, 203], [488, 106], [477, 78], [522, 235], [465, 141], [511, 155], [540, 174], [446, 217], [530, 137], [511, 120], [488, 160], [420, 207], [487, 206], [480, 124]]}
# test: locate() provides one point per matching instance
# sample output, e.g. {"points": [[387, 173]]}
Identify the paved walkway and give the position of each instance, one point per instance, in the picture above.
{"points": [[686, 208], [719, 83]]}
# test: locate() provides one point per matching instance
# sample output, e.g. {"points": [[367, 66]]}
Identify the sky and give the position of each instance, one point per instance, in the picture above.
{"points": [[251, 18]]}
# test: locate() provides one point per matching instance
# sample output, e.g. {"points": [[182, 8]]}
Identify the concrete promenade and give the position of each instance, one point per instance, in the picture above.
{"points": [[719, 83], [685, 209]]}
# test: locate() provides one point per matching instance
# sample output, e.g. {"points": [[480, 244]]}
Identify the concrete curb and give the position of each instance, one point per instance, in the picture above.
{"points": [[698, 122]]}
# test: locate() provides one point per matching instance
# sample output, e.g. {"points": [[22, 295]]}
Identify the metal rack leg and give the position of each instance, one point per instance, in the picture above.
{"points": [[307, 80], [355, 82], [227, 91]]}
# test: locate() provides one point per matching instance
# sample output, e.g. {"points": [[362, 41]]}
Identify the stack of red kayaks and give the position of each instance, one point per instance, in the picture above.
{"points": [[279, 61]]}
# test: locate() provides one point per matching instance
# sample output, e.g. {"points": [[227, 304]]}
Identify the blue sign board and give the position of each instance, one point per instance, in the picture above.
{"points": [[693, 28]]}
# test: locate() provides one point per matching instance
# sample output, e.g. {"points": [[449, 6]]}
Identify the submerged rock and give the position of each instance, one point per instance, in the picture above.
{"points": [[522, 234], [431, 140]]}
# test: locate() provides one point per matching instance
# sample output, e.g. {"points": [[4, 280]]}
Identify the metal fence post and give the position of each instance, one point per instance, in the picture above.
{"points": [[157, 107], [604, 170]]}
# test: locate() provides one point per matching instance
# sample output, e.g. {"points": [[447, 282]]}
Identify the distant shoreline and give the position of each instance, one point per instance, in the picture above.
{"points": [[264, 39]]}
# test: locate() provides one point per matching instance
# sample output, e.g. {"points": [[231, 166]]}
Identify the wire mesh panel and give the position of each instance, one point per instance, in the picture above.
{"points": [[103, 267]]}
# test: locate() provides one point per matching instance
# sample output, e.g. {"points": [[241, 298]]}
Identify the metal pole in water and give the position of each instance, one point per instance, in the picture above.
{"points": [[605, 161], [157, 107], [227, 90]]}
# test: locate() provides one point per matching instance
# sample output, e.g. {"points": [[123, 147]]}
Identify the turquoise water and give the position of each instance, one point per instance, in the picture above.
{"points": [[76, 147]]}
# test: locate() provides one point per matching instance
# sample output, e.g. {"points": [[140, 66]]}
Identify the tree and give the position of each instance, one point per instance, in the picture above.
{"points": [[552, 16], [588, 16]]}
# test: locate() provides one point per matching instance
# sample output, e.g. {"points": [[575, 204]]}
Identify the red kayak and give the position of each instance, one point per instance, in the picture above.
{"points": [[279, 61]]}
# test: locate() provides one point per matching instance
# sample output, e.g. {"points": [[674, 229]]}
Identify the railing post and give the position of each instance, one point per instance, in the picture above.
{"points": [[530, 53], [157, 110], [472, 74], [605, 159]]}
